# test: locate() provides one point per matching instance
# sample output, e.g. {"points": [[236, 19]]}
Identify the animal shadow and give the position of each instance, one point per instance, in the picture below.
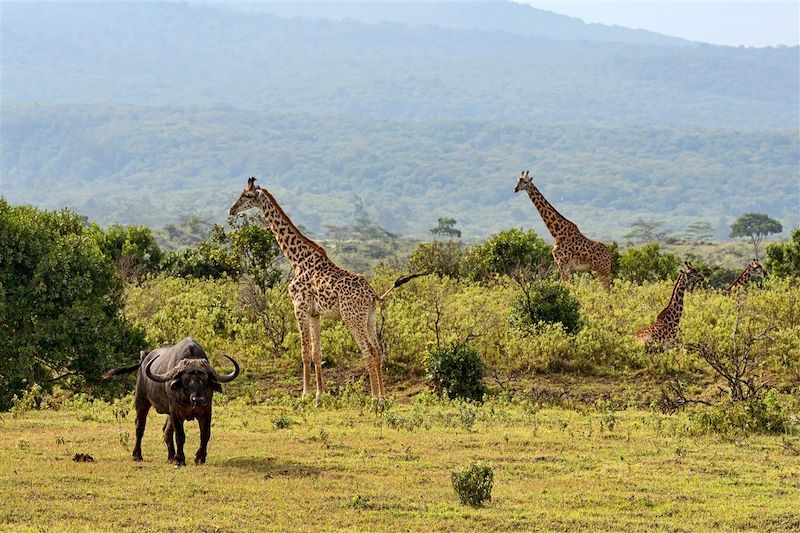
{"points": [[271, 467]]}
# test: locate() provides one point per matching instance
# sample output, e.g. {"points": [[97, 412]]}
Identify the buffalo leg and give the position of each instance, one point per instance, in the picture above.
{"points": [[180, 440], [204, 420], [169, 432], [142, 408]]}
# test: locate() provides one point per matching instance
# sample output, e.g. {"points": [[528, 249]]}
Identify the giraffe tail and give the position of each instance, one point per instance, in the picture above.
{"points": [[400, 281]]}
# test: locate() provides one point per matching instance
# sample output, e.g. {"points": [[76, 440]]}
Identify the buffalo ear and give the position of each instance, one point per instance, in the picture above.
{"points": [[175, 384], [216, 387]]}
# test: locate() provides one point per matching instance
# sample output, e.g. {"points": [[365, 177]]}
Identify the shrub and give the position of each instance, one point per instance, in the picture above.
{"points": [[647, 263], [474, 484], [511, 252], [545, 302], [457, 371], [757, 415], [783, 259], [442, 258]]}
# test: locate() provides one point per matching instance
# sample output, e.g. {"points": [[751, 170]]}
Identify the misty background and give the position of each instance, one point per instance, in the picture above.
{"points": [[151, 112]]}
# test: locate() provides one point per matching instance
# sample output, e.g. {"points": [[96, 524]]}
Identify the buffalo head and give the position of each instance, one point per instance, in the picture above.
{"points": [[193, 380]]}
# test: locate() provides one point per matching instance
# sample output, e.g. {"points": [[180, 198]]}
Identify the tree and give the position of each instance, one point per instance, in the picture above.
{"points": [[60, 311], [447, 228], [699, 232], [783, 258], [755, 226], [254, 247], [647, 263], [442, 258], [645, 231], [511, 252], [133, 249]]}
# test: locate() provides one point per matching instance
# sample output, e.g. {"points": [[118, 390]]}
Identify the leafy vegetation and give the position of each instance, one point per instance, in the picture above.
{"points": [[783, 259], [545, 302], [755, 226], [474, 484], [61, 317], [457, 371]]}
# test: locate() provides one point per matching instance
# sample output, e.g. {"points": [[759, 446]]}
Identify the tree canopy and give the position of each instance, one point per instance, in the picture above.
{"points": [[60, 311], [755, 226]]}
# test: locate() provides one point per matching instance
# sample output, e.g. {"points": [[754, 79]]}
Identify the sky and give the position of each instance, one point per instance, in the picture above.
{"points": [[733, 23]]}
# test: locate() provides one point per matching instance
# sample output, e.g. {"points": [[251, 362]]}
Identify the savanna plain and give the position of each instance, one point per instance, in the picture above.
{"points": [[284, 465]]}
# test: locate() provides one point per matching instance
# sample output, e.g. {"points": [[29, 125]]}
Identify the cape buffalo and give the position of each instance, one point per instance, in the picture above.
{"points": [[178, 381]]}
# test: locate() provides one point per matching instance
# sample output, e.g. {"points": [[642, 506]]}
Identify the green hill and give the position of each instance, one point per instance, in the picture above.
{"points": [[155, 165]]}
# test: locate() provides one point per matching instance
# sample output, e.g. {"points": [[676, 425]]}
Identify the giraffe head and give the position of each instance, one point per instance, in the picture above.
{"points": [[247, 199], [694, 279], [756, 268], [524, 181]]}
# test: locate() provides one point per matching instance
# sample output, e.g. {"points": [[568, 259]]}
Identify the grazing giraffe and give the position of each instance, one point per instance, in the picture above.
{"points": [[572, 251], [320, 288], [754, 267], [664, 331]]}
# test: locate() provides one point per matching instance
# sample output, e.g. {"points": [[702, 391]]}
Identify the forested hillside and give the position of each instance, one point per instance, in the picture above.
{"points": [[144, 113], [154, 165]]}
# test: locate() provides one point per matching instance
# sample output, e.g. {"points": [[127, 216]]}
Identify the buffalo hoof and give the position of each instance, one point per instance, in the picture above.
{"points": [[180, 461], [199, 461], [137, 457], [171, 459]]}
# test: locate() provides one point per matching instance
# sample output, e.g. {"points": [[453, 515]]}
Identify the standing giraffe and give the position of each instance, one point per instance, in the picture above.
{"points": [[754, 267], [664, 331], [320, 288], [572, 251]]}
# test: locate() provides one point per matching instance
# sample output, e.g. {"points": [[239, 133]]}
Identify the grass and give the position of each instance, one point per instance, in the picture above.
{"points": [[348, 468]]}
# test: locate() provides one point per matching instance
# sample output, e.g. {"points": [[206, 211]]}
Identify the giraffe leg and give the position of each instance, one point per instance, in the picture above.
{"points": [[377, 355], [316, 354], [305, 344]]}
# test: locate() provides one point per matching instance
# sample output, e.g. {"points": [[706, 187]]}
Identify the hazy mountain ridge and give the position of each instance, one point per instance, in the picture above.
{"points": [[175, 54], [493, 16]]}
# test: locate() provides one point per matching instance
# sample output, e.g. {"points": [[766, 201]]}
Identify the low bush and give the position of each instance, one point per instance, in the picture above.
{"points": [[457, 371], [473, 484], [545, 302]]}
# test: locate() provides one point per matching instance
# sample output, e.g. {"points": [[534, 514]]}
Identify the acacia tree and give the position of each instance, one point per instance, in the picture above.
{"points": [[60, 304], [755, 226], [446, 227]]}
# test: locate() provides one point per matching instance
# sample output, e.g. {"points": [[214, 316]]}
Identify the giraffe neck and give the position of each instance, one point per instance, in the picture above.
{"points": [[743, 279], [556, 223], [674, 308], [298, 249]]}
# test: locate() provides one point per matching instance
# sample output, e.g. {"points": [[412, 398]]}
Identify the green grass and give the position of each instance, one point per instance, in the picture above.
{"points": [[350, 469]]}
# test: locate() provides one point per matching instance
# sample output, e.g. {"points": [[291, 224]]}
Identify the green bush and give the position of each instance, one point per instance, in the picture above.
{"points": [[766, 414], [545, 302], [474, 484], [439, 257], [647, 263], [783, 258], [511, 252], [207, 260], [457, 371], [61, 302]]}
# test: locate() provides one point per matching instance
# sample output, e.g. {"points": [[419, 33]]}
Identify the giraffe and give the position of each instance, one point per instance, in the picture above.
{"points": [[664, 331], [320, 288], [572, 251], [753, 267]]}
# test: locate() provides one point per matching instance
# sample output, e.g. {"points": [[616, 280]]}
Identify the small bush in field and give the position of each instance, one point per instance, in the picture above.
{"points": [[281, 421], [548, 302], [457, 371], [474, 484]]}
